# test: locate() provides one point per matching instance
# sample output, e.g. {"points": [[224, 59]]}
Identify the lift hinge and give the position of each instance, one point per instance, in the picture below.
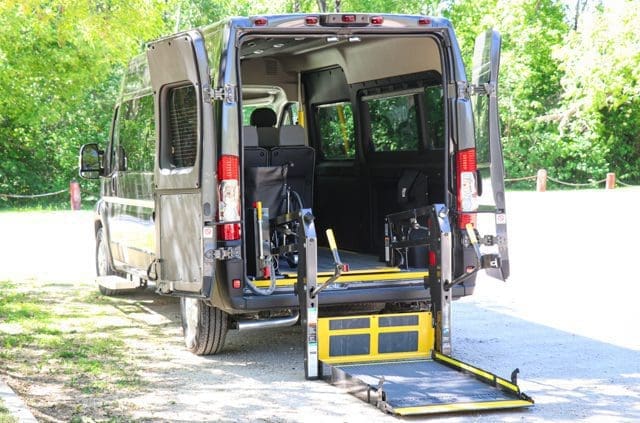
{"points": [[462, 89]]}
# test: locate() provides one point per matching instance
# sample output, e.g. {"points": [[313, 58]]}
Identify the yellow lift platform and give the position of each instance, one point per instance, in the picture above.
{"points": [[400, 362]]}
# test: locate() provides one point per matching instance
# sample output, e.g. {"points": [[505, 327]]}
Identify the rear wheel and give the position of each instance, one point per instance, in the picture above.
{"points": [[204, 327]]}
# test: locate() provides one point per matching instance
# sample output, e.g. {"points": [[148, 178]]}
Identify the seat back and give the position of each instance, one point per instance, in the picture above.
{"points": [[300, 158], [254, 156]]}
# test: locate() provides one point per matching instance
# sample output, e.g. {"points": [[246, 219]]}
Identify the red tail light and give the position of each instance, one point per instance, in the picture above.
{"points": [[467, 186], [377, 20], [229, 197], [311, 20]]}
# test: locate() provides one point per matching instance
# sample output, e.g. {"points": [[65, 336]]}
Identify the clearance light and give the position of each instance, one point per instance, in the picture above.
{"points": [[348, 19], [236, 284], [311, 20], [260, 22], [424, 21], [377, 20]]}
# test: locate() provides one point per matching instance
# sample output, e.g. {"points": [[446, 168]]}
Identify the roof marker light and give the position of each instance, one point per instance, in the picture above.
{"points": [[424, 21], [377, 20], [260, 22], [311, 20], [349, 18]]}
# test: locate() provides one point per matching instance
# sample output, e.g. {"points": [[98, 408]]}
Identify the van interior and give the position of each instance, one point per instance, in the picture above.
{"points": [[355, 126]]}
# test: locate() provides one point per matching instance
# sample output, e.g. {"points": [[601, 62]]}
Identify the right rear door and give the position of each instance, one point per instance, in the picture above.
{"points": [[492, 218]]}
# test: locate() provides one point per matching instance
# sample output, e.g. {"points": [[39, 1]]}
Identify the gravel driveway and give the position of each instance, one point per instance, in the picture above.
{"points": [[568, 319]]}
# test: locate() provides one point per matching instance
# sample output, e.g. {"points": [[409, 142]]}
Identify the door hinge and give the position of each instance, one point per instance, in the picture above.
{"points": [[227, 253], [463, 89], [226, 94]]}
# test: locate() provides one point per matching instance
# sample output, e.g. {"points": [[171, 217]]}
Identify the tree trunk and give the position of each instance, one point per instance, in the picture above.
{"points": [[322, 5], [338, 6]]}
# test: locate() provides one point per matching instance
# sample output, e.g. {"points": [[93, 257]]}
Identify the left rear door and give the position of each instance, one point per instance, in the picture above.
{"points": [[180, 79]]}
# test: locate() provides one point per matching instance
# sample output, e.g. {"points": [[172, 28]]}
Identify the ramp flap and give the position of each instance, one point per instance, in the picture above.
{"points": [[427, 387], [388, 360]]}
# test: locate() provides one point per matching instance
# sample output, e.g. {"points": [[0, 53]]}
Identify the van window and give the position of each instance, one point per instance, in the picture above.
{"points": [[394, 124], [182, 126], [335, 124], [134, 135]]}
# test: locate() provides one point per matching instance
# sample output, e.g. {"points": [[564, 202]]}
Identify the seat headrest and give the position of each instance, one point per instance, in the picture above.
{"points": [[291, 135], [250, 134], [263, 117]]}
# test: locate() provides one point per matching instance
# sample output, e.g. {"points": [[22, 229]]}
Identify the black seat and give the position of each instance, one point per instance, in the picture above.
{"points": [[264, 119], [254, 156], [300, 158]]}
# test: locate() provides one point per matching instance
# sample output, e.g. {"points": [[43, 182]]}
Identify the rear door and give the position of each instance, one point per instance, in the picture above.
{"points": [[180, 80], [492, 218]]}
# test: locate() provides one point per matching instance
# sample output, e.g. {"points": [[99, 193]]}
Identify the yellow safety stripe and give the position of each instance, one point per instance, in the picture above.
{"points": [[465, 406], [477, 371], [352, 277]]}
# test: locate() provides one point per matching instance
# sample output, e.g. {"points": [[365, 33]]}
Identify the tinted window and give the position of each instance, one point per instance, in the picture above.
{"points": [[406, 121], [335, 124], [182, 126], [394, 124], [134, 135]]}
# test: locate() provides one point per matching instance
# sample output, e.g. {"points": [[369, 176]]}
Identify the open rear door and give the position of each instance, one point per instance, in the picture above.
{"points": [[179, 75], [492, 217]]}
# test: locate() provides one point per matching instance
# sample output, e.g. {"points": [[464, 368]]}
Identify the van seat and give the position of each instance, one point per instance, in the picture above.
{"points": [[300, 158], [264, 119], [254, 156]]}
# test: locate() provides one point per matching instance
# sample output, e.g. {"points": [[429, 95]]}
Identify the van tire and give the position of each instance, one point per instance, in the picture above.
{"points": [[103, 262], [204, 327]]}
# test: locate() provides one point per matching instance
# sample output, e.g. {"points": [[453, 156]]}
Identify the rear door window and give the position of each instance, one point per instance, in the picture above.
{"points": [[335, 125]]}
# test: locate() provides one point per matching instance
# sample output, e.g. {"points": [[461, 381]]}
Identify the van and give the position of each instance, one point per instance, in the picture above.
{"points": [[236, 146]]}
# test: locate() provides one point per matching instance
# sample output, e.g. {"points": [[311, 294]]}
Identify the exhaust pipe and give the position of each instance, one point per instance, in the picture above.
{"points": [[276, 322]]}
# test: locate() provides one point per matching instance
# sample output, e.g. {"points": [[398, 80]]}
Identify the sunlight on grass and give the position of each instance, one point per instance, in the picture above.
{"points": [[63, 335]]}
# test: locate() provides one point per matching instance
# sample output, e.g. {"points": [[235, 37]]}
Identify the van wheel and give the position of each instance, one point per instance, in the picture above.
{"points": [[204, 327], [103, 263]]}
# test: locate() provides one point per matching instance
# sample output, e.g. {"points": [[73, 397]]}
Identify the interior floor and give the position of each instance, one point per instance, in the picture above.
{"points": [[356, 261]]}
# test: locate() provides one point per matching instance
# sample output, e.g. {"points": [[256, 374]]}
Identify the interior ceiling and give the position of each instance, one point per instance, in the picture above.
{"points": [[276, 46]]}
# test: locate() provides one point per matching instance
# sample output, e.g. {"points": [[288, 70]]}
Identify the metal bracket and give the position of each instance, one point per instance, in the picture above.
{"points": [[227, 253], [226, 94]]}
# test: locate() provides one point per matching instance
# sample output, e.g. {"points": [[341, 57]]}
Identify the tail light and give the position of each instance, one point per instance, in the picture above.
{"points": [[229, 198], [467, 187]]}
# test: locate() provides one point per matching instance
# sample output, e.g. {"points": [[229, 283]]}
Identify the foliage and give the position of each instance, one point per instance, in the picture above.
{"points": [[568, 92]]}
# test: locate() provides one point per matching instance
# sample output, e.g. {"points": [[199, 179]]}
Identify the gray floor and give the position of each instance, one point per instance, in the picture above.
{"points": [[424, 382]]}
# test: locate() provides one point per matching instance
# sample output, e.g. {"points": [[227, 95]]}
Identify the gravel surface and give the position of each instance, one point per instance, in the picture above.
{"points": [[567, 319]]}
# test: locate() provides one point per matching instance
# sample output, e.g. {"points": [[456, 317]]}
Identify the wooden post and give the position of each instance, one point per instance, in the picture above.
{"points": [[611, 181], [541, 180], [74, 195]]}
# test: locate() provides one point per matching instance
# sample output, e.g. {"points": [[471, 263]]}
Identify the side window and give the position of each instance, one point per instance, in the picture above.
{"points": [[335, 125], [180, 145], [134, 135], [434, 119], [394, 124]]}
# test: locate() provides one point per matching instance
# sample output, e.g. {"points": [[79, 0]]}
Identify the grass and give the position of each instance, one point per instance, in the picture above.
{"points": [[5, 415], [65, 337]]}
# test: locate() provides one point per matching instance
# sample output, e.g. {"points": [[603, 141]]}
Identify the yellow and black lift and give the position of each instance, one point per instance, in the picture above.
{"points": [[400, 362]]}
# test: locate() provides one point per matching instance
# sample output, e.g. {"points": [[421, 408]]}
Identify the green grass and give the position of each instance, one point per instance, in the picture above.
{"points": [[5, 415], [48, 332]]}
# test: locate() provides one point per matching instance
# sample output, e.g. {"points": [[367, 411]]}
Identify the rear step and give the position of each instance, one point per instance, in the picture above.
{"points": [[116, 283], [389, 361]]}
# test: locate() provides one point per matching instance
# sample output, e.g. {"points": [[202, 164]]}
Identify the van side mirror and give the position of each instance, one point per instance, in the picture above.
{"points": [[91, 161]]}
